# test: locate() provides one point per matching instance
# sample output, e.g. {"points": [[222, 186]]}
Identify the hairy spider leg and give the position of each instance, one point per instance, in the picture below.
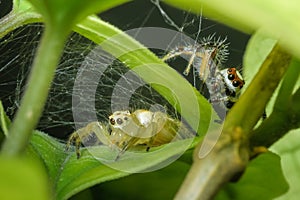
{"points": [[185, 51], [85, 133], [206, 68]]}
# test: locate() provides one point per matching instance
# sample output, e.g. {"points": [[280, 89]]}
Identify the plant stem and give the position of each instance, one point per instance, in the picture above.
{"points": [[16, 19], [286, 111], [278, 124], [40, 79], [207, 175], [287, 87]]}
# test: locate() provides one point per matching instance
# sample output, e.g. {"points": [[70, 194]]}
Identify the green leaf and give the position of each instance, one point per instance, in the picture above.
{"points": [[161, 184], [23, 179], [263, 179], [70, 175], [21, 6], [257, 50], [289, 150], [288, 86], [65, 14]]}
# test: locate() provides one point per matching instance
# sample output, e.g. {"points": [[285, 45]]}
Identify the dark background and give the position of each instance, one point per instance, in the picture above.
{"points": [[5, 7], [141, 13]]}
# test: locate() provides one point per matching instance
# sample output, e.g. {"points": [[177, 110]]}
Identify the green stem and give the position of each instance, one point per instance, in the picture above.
{"points": [[16, 19], [287, 87], [286, 112], [40, 79], [278, 124]]}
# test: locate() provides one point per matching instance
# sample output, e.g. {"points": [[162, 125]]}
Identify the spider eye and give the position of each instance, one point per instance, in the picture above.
{"points": [[119, 121], [235, 83], [230, 76], [125, 118], [112, 121], [229, 70]]}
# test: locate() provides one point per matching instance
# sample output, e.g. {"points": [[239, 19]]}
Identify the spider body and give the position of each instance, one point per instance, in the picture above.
{"points": [[223, 85], [126, 130]]}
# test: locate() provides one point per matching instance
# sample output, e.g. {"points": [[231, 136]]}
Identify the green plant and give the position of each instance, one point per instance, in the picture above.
{"points": [[231, 154]]}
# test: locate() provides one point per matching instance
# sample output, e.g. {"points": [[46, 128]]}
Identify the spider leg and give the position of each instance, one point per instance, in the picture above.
{"points": [[126, 145], [85, 133], [171, 55], [189, 51], [74, 139], [203, 73], [191, 61]]}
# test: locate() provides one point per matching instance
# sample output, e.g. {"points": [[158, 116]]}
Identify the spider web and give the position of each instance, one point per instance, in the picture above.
{"points": [[17, 51], [57, 115]]}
